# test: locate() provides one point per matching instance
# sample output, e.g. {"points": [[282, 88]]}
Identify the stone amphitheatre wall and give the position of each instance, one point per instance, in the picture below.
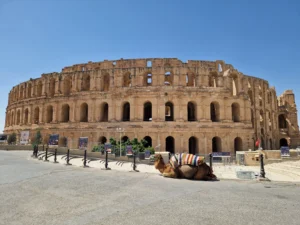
{"points": [[198, 106]]}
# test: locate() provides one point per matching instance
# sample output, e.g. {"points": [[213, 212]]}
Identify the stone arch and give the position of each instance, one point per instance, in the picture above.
{"points": [[216, 144], [283, 142], [86, 82], [147, 111], [235, 87], [49, 114], [84, 112], [12, 122], [193, 145], [250, 95], [22, 92], [18, 117], [26, 116], [190, 79], [65, 113], [104, 112], [51, 87], [105, 84], [126, 111], [39, 89], [168, 78], [148, 79], [36, 115], [282, 121], [170, 144], [125, 139], [212, 80], [169, 111], [67, 85], [102, 140], [215, 112], [235, 112], [29, 88], [148, 139], [127, 80], [192, 111], [238, 144], [261, 118]]}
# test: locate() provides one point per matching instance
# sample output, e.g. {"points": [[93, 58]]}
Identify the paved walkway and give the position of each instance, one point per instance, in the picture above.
{"points": [[284, 171]]}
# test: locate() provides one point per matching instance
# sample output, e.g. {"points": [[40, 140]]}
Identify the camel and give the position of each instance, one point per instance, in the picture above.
{"points": [[200, 172]]}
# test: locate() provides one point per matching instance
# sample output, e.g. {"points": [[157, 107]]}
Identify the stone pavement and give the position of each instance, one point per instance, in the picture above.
{"points": [[284, 171]]}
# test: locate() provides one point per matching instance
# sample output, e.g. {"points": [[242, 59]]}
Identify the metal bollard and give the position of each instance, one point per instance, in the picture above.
{"points": [[106, 160], [46, 155], [134, 166], [68, 158], [55, 156], [210, 160], [36, 151], [262, 169], [84, 159]]}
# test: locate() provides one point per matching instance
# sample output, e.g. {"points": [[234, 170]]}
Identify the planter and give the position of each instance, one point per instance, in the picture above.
{"points": [[141, 155]]}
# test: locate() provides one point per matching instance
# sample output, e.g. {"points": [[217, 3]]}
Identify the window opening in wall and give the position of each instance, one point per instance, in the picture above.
{"points": [[148, 111], [125, 139], [216, 144], [26, 116], [149, 79], [126, 112], [169, 112], [149, 142], [170, 145], [127, 80], [238, 144], [114, 63], [168, 78], [36, 117], [282, 122], [102, 140], [283, 142], [235, 110], [191, 108], [84, 112], [65, 113], [234, 86], [18, 117], [270, 144], [86, 82], [52, 87], [67, 86], [29, 91], [214, 112], [193, 145], [83, 68], [250, 96], [149, 63], [220, 68], [104, 113], [49, 118]]}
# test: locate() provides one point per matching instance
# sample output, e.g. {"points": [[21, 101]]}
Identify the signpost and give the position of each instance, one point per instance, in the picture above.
{"points": [[107, 147]]}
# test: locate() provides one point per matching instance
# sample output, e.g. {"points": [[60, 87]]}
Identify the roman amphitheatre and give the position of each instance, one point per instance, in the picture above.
{"points": [[194, 106]]}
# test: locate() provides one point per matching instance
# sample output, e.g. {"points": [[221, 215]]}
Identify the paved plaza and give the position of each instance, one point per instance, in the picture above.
{"points": [[37, 192]]}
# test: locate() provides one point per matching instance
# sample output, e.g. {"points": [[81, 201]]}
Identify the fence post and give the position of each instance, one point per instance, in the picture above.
{"points": [[36, 151], [46, 155], [84, 159], [210, 160], [262, 169], [55, 156], [68, 157], [106, 161]]}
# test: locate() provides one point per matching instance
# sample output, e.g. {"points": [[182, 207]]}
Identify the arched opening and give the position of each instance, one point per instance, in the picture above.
{"points": [[193, 146], [39, 89], [148, 79], [102, 140], [29, 87], [234, 85], [36, 116], [168, 79], [12, 122], [148, 111], [261, 118], [169, 111], [191, 111], [252, 118], [270, 144], [149, 63], [126, 112], [212, 82], [282, 122], [283, 142], [125, 139], [238, 144], [214, 112], [86, 83], [67, 86], [216, 144], [84, 112], [52, 87], [49, 117], [127, 80], [250, 96], [190, 79], [235, 111], [65, 113], [149, 141], [104, 112], [18, 117], [170, 144], [106, 83], [262, 143], [26, 116], [21, 92]]}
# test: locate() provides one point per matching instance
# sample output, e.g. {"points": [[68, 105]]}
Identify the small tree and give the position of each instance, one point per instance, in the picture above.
{"points": [[37, 138], [12, 138]]}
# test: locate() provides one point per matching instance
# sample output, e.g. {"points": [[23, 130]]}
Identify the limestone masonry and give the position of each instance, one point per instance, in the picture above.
{"points": [[196, 107]]}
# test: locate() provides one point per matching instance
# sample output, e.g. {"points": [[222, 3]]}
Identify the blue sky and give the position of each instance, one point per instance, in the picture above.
{"points": [[259, 38]]}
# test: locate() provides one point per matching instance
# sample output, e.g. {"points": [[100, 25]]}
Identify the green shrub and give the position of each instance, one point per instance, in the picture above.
{"points": [[12, 138]]}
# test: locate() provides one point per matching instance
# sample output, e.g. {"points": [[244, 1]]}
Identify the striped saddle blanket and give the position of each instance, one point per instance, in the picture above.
{"points": [[185, 159]]}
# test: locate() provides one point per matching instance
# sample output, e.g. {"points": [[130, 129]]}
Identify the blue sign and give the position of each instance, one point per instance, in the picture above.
{"points": [[129, 150], [147, 154], [221, 154], [107, 147], [285, 151], [53, 139]]}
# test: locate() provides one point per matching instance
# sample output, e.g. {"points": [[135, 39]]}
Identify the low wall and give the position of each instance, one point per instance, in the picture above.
{"points": [[16, 147]]}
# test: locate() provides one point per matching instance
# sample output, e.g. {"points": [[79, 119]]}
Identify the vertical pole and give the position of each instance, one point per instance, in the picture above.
{"points": [[262, 169], [84, 159], [134, 166], [106, 159], [120, 144], [55, 156], [68, 157], [46, 155], [36, 152], [210, 160]]}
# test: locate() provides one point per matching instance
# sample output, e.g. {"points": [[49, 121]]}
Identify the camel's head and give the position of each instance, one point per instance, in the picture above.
{"points": [[158, 158]]}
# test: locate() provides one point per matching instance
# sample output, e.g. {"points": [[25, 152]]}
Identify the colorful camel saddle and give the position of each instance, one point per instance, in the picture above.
{"points": [[180, 159]]}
